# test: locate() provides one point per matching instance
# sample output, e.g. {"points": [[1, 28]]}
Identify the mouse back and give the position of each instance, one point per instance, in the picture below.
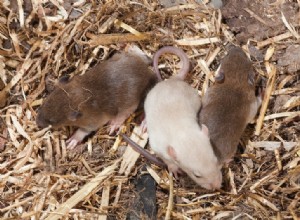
{"points": [[171, 109], [226, 106], [236, 68], [225, 111], [91, 100]]}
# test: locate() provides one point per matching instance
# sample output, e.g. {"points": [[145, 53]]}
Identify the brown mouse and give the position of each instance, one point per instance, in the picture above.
{"points": [[228, 107], [109, 92], [171, 109]]}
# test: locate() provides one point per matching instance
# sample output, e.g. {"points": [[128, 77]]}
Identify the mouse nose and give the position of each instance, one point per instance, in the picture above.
{"points": [[217, 183], [40, 122]]}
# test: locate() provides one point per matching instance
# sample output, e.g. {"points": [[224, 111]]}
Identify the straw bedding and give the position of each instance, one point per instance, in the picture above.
{"points": [[44, 40]]}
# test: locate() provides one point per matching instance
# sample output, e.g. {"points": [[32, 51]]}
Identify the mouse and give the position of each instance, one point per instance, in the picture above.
{"points": [[228, 106], [171, 110], [106, 94]]}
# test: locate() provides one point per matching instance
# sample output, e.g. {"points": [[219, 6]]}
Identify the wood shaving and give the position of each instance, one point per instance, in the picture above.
{"points": [[41, 179]]}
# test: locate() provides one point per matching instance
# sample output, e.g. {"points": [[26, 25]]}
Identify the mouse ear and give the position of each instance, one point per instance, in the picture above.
{"points": [[172, 153], [205, 129], [74, 115]]}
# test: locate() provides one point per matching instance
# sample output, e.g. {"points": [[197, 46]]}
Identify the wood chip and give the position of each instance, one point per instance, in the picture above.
{"points": [[130, 156], [265, 102]]}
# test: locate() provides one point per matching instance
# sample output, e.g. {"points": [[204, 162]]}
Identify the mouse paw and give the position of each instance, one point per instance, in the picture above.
{"points": [[113, 128], [174, 169], [76, 138], [116, 122], [144, 126], [261, 94], [72, 143], [227, 161], [219, 77]]}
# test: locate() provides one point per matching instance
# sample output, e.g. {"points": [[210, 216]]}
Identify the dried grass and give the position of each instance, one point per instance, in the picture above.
{"points": [[40, 179]]}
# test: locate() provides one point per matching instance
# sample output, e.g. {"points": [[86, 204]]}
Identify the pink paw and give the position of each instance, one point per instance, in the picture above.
{"points": [[174, 169], [219, 77], [144, 126], [113, 128], [261, 93], [76, 138], [72, 143], [227, 161]]}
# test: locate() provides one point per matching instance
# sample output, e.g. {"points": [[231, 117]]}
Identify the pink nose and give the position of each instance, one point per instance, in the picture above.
{"points": [[216, 184]]}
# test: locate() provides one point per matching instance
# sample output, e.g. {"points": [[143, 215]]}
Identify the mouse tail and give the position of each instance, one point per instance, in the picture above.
{"points": [[143, 152], [178, 52]]}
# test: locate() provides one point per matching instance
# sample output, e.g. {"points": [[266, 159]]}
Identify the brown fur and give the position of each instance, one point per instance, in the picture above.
{"points": [[227, 107], [91, 100]]}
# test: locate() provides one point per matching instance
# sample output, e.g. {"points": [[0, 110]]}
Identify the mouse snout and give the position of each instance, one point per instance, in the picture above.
{"points": [[213, 182], [215, 185], [40, 121], [217, 182], [41, 124], [212, 185]]}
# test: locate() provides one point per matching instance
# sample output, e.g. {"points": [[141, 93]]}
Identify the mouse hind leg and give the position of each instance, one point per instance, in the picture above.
{"points": [[119, 119], [76, 138], [255, 106], [88, 125]]}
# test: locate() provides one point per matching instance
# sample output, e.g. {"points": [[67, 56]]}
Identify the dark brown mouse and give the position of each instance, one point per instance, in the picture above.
{"points": [[229, 106], [109, 92]]}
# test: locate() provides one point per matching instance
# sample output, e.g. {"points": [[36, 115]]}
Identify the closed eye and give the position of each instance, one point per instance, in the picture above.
{"points": [[197, 175], [51, 121]]}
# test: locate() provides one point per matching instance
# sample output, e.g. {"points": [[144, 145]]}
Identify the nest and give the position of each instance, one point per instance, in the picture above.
{"points": [[40, 179]]}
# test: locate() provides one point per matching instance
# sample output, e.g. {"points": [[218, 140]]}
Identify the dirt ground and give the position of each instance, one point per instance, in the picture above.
{"points": [[42, 41]]}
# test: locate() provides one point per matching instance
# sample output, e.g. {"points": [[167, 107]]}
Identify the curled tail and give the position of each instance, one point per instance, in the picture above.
{"points": [[178, 52]]}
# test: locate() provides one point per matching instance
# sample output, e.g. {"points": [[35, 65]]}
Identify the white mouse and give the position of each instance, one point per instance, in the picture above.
{"points": [[171, 110]]}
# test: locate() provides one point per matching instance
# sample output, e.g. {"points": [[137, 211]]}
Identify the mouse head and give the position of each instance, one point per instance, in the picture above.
{"points": [[58, 108], [199, 161], [234, 67], [209, 176]]}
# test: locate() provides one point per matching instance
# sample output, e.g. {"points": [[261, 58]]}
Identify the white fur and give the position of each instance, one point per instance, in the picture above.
{"points": [[171, 109]]}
